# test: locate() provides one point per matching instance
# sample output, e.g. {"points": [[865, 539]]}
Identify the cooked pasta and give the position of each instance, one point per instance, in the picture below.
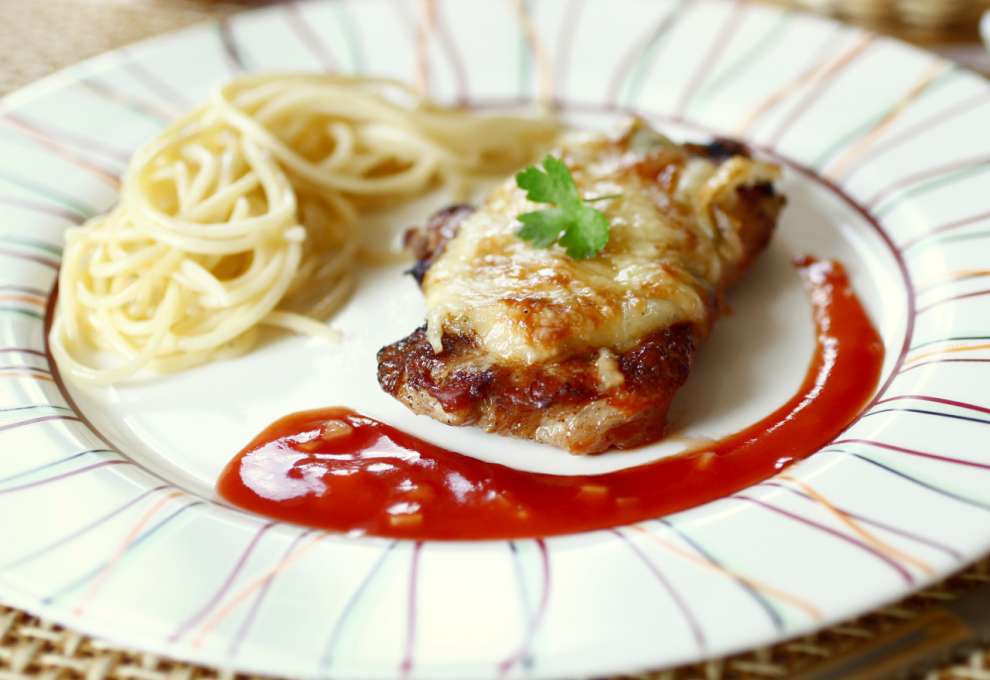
{"points": [[247, 212]]}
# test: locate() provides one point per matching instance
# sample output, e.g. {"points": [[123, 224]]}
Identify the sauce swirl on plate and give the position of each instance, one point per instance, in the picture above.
{"points": [[338, 470]]}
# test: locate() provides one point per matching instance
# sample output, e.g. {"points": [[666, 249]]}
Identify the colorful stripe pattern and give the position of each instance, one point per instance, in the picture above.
{"points": [[898, 500]]}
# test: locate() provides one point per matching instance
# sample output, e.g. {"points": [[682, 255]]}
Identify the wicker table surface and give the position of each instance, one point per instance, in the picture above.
{"points": [[33, 648]]}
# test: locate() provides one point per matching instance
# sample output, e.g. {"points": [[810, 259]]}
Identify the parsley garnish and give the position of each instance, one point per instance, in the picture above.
{"points": [[581, 229]]}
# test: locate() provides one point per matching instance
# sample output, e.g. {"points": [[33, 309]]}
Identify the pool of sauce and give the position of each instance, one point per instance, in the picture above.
{"points": [[335, 469]]}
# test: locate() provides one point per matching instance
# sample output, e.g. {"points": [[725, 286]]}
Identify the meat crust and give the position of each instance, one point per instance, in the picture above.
{"points": [[426, 243], [565, 404]]}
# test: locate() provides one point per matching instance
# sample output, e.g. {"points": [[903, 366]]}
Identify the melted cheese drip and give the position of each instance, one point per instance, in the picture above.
{"points": [[662, 264]]}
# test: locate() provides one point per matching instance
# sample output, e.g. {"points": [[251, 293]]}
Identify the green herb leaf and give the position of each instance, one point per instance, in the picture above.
{"points": [[542, 228], [587, 234], [582, 230], [554, 185]]}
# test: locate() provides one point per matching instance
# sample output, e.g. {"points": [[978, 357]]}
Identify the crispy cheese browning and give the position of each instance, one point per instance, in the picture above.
{"points": [[670, 248]]}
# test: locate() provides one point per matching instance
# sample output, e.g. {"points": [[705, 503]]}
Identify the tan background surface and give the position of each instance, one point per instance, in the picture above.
{"points": [[38, 37]]}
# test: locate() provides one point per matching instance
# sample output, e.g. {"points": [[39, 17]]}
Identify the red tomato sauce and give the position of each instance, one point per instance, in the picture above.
{"points": [[335, 469]]}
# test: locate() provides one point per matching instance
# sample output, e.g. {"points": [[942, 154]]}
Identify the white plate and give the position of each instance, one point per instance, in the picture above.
{"points": [[886, 162]]}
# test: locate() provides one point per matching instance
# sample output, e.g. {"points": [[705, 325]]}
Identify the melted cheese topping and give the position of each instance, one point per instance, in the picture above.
{"points": [[663, 262]]}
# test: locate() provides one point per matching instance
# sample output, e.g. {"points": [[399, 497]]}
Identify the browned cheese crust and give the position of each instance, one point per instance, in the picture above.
{"points": [[587, 402]]}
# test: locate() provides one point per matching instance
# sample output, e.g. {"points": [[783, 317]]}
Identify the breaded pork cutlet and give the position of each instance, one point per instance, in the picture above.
{"points": [[585, 354]]}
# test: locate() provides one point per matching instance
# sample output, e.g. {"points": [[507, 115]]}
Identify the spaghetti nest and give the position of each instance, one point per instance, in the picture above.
{"points": [[247, 212]]}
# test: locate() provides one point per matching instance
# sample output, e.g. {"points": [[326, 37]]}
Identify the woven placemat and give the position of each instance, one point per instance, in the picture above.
{"points": [[33, 648]]}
